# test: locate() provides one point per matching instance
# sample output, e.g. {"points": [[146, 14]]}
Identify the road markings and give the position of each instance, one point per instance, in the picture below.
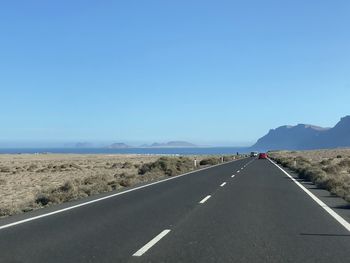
{"points": [[105, 197], [205, 199], [151, 243], [232, 175], [337, 217], [238, 171], [223, 184]]}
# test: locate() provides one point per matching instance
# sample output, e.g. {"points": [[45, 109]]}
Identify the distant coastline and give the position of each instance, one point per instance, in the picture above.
{"points": [[198, 150]]}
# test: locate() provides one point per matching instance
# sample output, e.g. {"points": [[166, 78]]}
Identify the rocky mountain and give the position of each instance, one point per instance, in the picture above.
{"points": [[304, 136], [338, 136]]}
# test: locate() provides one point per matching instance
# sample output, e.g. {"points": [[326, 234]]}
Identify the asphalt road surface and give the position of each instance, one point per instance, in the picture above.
{"points": [[243, 211]]}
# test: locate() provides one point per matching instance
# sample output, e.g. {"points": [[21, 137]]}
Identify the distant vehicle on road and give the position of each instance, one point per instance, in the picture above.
{"points": [[253, 154], [263, 156]]}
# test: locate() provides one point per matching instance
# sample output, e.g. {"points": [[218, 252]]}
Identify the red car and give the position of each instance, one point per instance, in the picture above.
{"points": [[263, 156]]}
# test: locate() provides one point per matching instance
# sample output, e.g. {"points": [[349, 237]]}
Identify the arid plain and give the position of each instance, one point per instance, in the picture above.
{"points": [[31, 181]]}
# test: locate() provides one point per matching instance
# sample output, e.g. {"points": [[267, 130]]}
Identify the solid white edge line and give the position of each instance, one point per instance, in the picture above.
{"points": [[223, 184], [337, 217], [107, 197], [205, 199], [151, 243]]}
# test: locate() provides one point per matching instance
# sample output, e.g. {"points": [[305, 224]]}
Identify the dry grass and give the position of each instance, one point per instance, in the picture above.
{"points": [[328, 169], [25, 177], [30, 181]]}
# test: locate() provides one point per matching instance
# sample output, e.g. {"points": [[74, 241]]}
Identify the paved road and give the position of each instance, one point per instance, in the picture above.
{"points": [[257, 215]]}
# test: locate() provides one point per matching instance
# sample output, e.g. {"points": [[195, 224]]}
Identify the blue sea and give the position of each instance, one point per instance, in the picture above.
{"points": [[169, 151]]}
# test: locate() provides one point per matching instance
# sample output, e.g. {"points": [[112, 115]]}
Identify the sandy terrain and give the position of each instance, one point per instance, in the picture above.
{"points": [[317, 155], [30, 181], [23, 176]]}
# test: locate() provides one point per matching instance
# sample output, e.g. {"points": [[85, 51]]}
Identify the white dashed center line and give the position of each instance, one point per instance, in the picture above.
{"points": [[232, 175], [205, 199], [150, 244], [223, 184]]}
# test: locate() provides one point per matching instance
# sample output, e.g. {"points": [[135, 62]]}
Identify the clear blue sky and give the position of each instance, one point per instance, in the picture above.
{"points": [[210, 72]]}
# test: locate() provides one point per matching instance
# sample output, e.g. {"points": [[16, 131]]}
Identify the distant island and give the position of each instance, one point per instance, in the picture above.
{"points": [[119, 145], [171, 144]]}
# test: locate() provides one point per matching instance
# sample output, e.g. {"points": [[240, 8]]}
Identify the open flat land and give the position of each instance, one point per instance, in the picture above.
{"points": [[328, 169], [317, 155], [30, 181]]}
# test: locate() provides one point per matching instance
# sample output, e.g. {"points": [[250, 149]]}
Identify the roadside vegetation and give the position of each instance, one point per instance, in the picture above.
{"points": [[28, 182], [327, 169], [167, 166]]}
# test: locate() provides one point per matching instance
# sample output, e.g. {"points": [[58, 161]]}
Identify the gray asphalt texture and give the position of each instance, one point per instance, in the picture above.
{"points": [[260, 215]]}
